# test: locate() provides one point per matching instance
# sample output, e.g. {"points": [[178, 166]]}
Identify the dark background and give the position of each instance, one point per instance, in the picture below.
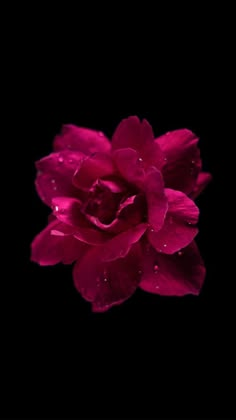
{"points": [[152, 356]]}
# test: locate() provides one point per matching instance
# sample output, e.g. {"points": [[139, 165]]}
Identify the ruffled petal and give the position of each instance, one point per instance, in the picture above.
{"points": [[173, 275], [138, 135], [106, 284], [81, 139], [203, 180], [50, 249], [130, 166], [183, 161], [119, 246], [55, 174], [92, 168], [157, 202], [178, 229]]}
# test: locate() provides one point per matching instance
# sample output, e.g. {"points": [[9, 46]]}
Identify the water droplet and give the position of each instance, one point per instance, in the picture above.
{"points": [[155, 269], [180, 253], [56, 208], [100, 133], [140, 159], [193, 161], [152, 230], [189, 223], [105, 279], [60, 159], [165, 245], [53, 181], [157, 287], [55, 188], [165, 159]]}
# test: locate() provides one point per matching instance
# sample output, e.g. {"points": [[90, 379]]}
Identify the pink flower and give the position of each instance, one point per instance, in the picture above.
{"points": [[123, 211]]}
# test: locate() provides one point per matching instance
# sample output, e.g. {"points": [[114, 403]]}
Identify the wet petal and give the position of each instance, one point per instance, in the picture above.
{"points": [[156, 199], [173, 275], [48, 249], [203, 180], [81, 139], [119, 246], [55, 174], [183, 161], [178, 229], [129, 165], [92, 168], [106, 284]]}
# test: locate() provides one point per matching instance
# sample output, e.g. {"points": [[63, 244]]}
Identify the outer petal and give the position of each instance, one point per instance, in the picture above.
{"points": [[81, 139], [105, 284], [92, 168], [173, 275], [203, 180], [138, 135], [48, 249], [156, 199], [183, 161], [67, 210], [119, 246], [55, 173], [178, 230]]}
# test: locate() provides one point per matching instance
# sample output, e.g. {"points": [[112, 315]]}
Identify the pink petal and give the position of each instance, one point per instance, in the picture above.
{"points": [[119, 246], [156, 199], [55, 173], [183, 161], [48, 249], [202, 181], [173, 275], [133, 133], [138, 135], [106, 284], [92, 168], [178, 230], [129, 166], [67, 210], [81, 139]]}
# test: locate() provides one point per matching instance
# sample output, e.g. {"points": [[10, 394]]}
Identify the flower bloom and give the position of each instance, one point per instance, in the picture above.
{"points": [[123, 211]]}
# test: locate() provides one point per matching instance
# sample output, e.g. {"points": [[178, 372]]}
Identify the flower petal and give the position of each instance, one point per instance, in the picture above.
{"points": [[92, 168], [183, 161], [156, 199], [106, 284], [81, 139], [178, 230], [67, 210], [48, 249], [203, 180], [119, 246], [133, 133], [173, 275], [129, 166], [55, 173], [138, 135]]}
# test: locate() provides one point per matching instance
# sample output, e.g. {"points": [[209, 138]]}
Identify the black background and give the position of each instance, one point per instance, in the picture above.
{"points": [[152, 356]]}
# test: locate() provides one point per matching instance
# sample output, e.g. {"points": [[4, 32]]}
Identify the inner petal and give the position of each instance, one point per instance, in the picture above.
{"points": [[102, 202]]}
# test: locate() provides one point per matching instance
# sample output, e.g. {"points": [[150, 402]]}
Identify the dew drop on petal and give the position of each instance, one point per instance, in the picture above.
{"points": [[53, 181], [100, 133], [60, 159], [56, 208], [189, 223], [165, 159], [193, 161], [152, 230], [155, 269], [165, 245], [140, 159], [55, 188], [157, 287], [180, 253]]}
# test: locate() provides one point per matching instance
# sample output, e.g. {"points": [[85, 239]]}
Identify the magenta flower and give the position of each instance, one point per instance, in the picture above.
{"points": [[123, 211]]}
